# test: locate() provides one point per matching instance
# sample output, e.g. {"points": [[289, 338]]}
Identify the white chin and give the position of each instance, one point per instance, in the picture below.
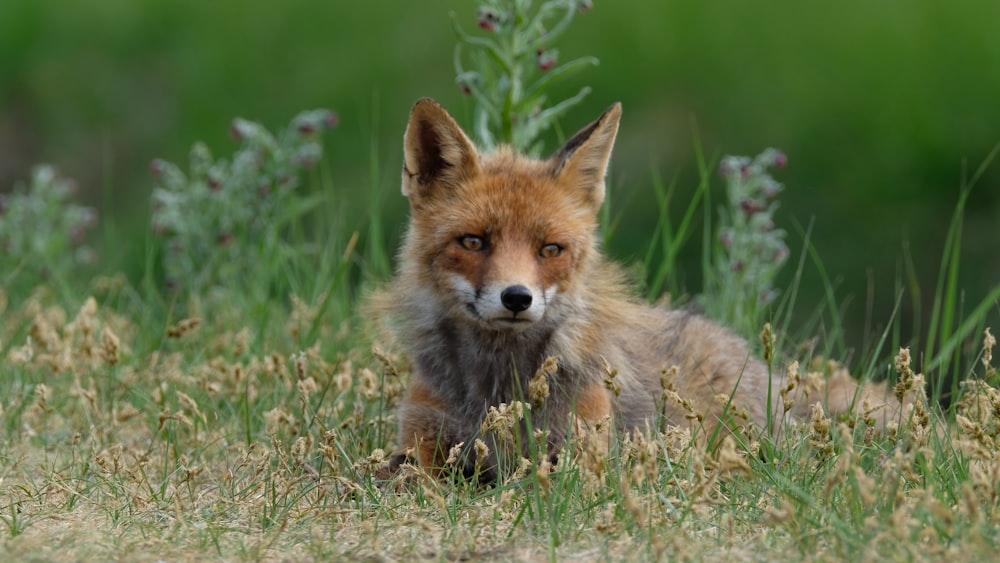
{"points": [[512, 323], [508, 323]]}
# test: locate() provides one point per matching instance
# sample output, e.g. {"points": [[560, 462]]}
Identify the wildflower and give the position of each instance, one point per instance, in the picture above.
{"points": [[190, 405], [668, 376], [819, 430], [792, 380], [726, 238], [111, 346], [488, 19], [670, 394], [368, 384], [375, 460], [157, 167], [514, 57], [541, 439], [750, 207], [751, 246], [609, 378], [185, 326], [594, 453], [522, 469], [482, 451], [39, 226], [538, 387], [166, 415], [343, 378], [502, 419], [770, 187], [545, 59], [989, 341], [767, 339], [42, 394], [454, 453], [730, 166], [275, 418], [306, 387], [730, 460], [299, 361], [78, 231], [300, 449], [542, 474], [908, 381], [920, 423]]}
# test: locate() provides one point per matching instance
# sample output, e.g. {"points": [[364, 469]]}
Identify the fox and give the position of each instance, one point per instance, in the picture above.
{"points": [[500, 270]]}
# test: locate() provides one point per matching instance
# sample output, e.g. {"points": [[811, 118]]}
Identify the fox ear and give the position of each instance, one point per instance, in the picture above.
{"points": [[436, 151], [583, 161]]}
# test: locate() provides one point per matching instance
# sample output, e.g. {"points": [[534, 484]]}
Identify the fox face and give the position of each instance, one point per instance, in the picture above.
{"points": [[500, 239]]}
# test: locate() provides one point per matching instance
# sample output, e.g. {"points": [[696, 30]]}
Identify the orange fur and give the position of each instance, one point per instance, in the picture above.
{"points": [[593, 403]]}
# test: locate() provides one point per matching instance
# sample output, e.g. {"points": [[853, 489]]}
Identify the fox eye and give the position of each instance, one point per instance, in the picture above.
{"points": [[550, 250], [472, 242]]}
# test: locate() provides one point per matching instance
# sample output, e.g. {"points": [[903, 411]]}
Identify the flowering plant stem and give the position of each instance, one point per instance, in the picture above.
{"points": [[513, 66]]}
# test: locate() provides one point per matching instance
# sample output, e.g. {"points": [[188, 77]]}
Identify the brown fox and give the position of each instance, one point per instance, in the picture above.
{"points": [[500, 270]]}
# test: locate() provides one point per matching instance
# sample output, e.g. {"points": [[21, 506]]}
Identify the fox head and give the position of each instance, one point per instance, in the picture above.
{"points": [[500, 239]]}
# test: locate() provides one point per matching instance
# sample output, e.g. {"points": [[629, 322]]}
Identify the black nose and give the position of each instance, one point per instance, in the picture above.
{"points": [[516, 298]]}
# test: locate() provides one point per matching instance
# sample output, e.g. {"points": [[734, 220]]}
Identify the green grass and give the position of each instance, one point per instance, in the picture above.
{"points": [[130, 431]]}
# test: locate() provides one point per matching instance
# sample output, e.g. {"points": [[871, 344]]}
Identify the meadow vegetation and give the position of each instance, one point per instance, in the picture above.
{"points": [[235, 401]]}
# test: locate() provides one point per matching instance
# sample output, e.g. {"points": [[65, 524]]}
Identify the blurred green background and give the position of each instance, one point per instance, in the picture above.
{"points": [[882, 107]]}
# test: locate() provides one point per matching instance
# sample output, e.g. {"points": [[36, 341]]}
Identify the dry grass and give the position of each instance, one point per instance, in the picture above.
{"points": [[206, 439]]}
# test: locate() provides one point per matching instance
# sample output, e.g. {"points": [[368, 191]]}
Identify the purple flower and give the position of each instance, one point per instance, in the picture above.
{"points": [[488, 19], [546, 60], [726, 239], [780, 160], [730, 165], [156, 167], [750, 207]]}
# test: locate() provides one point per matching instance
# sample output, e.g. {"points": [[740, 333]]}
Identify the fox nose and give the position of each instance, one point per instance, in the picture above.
{"points": [[516, 298]]}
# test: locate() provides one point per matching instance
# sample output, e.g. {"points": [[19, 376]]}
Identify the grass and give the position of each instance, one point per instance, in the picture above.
{"points": [[216, 426], [246, 415]]}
